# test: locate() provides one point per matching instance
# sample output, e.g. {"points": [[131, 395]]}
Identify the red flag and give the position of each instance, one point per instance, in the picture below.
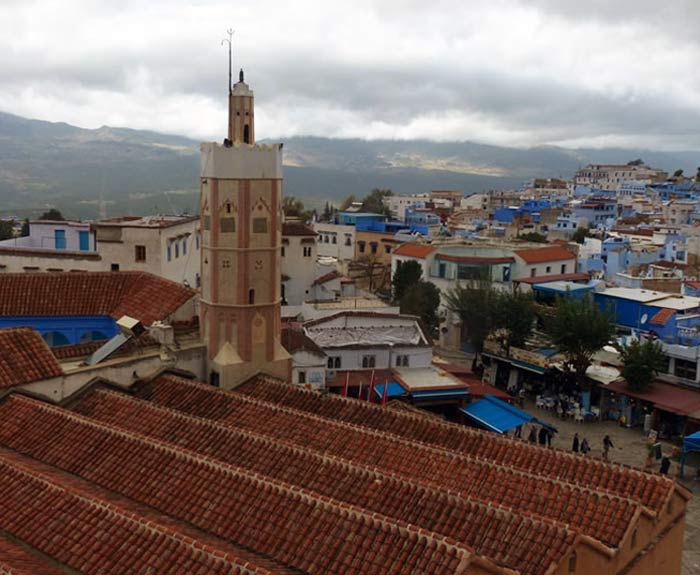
{"points": [[385, 393], [347, 383], [370, 395]]}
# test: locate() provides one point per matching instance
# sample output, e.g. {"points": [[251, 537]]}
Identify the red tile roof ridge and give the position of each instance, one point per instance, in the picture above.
{"points": [[25, 358], [574, 487], [17, 560], [350, 469], [261, 480], [54, 479], [592, 464]]}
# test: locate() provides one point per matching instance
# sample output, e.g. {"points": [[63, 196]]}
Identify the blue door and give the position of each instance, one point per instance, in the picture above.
{"points": [[84, 240], [60, 239]]}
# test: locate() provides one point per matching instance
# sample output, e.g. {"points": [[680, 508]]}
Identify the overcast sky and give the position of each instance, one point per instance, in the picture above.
{"points": [[508, 72]]}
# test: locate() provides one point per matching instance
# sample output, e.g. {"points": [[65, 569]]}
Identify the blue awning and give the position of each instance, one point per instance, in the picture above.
{"points": [[454, 393], [690, 443], [393, 390], [528, 366], [499, 416]]}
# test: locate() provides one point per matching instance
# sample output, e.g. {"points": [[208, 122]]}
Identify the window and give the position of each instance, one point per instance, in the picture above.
{"points": [[442, 269], [368, 361], [225, 264], [401, 361], [361, 247], [334, 240], [197, 280], [387, 249], [228, 225], [84, 240], [685, 369], [60, 239], [307, 251], [348, 241], [333, 362], [563, 268], [302, 377], [251, 296], [170, 252], [472, 272], [140, 253], [282, 251], [548, 269], [206, 223], [184, 246], [114, 267], [373, 246], [260, 225], [228, 207], [533, 272], [196, 241], [177, 250], [325, 239]]}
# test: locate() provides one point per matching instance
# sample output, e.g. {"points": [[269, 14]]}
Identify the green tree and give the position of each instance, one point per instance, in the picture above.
{"points": [[422, 299], [697, 174], [475, 306], [7, 229], [637, 162], [25, 228], [581, 234], [52, 214], [374, 202], [641, 362], [678, 174], [533, 237], [407, 273], [579, 328], [346, 203], [515, 313]]}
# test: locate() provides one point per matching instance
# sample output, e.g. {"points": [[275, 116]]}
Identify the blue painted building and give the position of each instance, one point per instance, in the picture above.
{"points": [[353, 218], [65, 330]]}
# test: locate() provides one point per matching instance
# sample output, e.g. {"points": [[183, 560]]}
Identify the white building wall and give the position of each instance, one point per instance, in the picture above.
{"points": [[524, 270], [343, 248], [312, 365], [385, 358], [299, 268]]}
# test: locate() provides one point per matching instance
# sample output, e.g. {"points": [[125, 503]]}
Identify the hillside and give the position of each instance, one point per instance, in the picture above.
{"points": [[45, 164]]}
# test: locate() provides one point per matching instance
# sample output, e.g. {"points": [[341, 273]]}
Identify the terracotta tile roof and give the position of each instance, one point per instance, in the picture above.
{"points": [[647, 489], [410, 250], [297, 229], [531, 489], [521, 547], [553, 278], [540, 255], [296, 340], [330, 276], [63, 352], [25, 358], [43, 507], [138, 294], [475, 259], [662, 316], [15, 560], [292, 525]]}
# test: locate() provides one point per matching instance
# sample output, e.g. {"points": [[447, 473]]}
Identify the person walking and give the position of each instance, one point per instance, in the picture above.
{"points": [[532, 438], [518, 432], [575, 443], [543, 435], [665, 465], [550, 434], [607, 444], [585, 448]]}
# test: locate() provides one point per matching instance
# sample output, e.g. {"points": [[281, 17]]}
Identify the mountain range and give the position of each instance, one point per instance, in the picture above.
{"points": [[114, 171]]}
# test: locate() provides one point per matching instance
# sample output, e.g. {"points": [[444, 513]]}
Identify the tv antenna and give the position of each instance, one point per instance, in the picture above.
{"points": [[229, 41]]}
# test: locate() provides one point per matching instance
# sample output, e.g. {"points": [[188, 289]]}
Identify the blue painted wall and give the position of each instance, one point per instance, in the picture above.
{"points": [[64, 330]]}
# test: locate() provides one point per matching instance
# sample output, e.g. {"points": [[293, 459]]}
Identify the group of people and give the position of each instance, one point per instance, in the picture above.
{"points": [[544, 437], [582, 446]]}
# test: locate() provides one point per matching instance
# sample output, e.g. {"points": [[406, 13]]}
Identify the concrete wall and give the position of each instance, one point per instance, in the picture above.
{"points": [[312, 365], [343, 249], [300, 269]]}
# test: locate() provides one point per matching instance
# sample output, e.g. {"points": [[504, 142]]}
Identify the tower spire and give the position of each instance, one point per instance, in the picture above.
{"points": [[229, 41]]}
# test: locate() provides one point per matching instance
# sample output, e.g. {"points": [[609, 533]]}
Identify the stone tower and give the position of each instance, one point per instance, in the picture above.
{"points": [[241, 222]]}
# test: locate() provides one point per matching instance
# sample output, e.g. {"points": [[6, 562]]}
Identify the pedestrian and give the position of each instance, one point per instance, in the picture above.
{"points": [[575, 444], [550, 433], [521, 397], [532, 438], [585, 448], [665, 465], [518, 431], [543, 436], [607, 444]]}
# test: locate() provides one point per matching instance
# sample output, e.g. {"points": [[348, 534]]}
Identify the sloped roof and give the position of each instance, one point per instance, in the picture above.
{"points": [[330, 276], [548, 254], [296, 340], [141, 295], [297, 229], [25, 358], [662, 316], [414, 250]]}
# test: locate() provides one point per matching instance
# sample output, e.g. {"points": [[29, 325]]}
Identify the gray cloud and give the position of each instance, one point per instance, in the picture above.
{"points": [[511, 72]]}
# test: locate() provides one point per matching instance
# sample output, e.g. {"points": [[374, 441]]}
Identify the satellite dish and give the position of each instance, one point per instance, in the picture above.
{"points": [[645, 318]]}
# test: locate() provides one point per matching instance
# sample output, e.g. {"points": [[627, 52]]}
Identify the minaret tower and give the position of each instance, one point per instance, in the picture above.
{"points": [[241, 222]]}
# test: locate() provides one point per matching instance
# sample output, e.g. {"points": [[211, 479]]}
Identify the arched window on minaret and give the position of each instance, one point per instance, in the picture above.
{"points": [[251, 296], [246, 134]]}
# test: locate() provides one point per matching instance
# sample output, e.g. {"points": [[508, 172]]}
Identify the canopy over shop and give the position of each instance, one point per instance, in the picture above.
{"points": [[690, 443], [495, 415]]}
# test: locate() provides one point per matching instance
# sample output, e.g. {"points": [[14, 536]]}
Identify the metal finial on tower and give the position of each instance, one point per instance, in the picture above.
{"points": [[229, 41], [240, 75]]}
